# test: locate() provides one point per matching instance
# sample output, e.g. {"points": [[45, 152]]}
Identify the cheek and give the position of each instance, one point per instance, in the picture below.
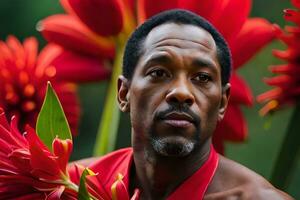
{"points": [[208, 106], [144, 100]]}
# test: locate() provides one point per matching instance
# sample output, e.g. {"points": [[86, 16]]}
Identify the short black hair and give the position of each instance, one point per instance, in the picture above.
{"points": [[134, 44]]}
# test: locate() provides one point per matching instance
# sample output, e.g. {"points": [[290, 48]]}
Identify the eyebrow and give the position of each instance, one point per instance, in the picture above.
{"points": [[158, 58], [203, 62]]}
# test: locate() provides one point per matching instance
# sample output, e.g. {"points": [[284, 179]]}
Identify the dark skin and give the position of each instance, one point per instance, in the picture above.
{"points": [[179, 68]]}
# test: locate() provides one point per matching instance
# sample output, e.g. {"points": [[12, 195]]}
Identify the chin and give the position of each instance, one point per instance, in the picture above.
{"points": [[173, 146]]}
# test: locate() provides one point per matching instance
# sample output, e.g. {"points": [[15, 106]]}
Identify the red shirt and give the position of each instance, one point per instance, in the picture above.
{"points": [[121, 161]]}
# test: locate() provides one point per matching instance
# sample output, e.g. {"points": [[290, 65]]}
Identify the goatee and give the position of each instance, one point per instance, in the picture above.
{"points": [[173, 146]]}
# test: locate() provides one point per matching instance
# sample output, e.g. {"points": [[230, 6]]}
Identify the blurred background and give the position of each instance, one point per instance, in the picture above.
{"points": [[259, 152]]}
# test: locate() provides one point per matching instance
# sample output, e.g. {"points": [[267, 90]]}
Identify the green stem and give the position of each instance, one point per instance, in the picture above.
{"points": [[286, 160], [108, 128]]}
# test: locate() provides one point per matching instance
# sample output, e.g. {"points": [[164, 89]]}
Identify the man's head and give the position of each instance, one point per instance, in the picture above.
{"points": [[135, 48], [175, 83]]}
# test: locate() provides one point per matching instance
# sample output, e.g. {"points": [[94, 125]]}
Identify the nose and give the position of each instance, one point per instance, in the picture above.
{"points": [[180, 93]]}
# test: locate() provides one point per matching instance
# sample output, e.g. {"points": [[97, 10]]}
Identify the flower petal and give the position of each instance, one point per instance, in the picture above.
{"points": [[233, 127], [105, 17], [240, 93], [43, 165], [118, 189], [32, 196], [20, 158], [28, 180], [67, 7], [5, 54], [62, 149], [243, 48], [16, 133], [79, 68], [269, 107], [94, 184], [17, 50], [204, 8], [283, 81], [24, 192], [33, 140], [289, 69], [6, 147], [97, 188], [296, 3], [70, 33], [234, 12], [11, 135], [3, 120], [292, 15], [288, 55], [45, 58], [153, 7], [141, 12], [75, 171], [56, 194], [31, 51], [274, 93]]}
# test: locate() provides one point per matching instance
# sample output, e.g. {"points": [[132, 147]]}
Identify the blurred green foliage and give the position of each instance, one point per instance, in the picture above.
{"points": [[19, 17]]}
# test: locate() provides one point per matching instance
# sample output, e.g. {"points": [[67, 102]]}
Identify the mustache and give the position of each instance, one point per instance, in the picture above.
{"points": [[179, 108]]}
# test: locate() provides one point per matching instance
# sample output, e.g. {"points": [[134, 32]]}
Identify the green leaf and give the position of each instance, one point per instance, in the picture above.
{"points": [[51, 121], [83, 193]]}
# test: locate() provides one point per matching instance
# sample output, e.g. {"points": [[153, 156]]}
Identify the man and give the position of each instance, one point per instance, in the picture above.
{"points": [[175, 86]]}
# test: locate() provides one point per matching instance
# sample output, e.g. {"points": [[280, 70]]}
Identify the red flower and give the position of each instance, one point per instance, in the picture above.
{"points": [[96, 187], [287, 82], [90, 27], [28, 170], [23, 78], [120, 192]]}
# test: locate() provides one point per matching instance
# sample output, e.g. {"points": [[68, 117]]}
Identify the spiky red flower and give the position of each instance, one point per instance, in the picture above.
{"points": [[97, 187], [95, 28], [287, 82], [23, 79], [28, 170]]}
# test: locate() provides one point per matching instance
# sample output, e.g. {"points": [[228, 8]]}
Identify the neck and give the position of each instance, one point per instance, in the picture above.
{"points": [[157, 176]]}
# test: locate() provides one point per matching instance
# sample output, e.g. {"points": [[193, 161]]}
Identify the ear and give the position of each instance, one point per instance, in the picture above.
{"points": [[224, 100], [123, 94]]}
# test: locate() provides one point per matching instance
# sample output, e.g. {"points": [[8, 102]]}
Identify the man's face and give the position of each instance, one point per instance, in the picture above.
{"points": [[175, 97]]}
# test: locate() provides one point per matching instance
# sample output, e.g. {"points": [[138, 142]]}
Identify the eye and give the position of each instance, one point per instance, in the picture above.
{"points": [[202, 78], [158, 73]]}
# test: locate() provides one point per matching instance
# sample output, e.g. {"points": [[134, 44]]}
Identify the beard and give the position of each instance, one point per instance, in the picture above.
{"points": [[176, 143], [173, 146]]}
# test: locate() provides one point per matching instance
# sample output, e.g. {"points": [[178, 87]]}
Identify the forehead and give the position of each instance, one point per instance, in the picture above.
{"points": [[188, 46], [184, 35]]}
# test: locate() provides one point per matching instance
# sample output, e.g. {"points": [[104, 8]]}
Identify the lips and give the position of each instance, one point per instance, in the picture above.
{"points": [[180, 120]]}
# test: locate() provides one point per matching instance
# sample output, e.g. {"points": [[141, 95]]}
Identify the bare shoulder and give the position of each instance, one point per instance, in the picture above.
{"points": [[234, 181]]}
